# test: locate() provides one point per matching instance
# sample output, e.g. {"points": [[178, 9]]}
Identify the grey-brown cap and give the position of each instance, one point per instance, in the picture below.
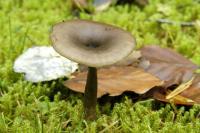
{"points": [[91, 43]]}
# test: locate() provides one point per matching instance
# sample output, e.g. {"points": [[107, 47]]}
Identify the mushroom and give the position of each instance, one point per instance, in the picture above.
{"points": [[92, 44]]}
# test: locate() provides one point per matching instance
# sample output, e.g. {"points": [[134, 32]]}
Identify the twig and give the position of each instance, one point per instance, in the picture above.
{"points": [[167, 21]]}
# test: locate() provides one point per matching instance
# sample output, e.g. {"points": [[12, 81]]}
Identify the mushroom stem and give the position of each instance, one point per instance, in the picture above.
{"points": [[90, 98]]}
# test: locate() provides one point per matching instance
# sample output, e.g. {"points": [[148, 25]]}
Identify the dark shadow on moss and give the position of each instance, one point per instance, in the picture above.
{"points": [[106, 102]]}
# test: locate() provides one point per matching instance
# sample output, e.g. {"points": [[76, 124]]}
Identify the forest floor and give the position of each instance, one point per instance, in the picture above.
{"points": [[49, 107]]}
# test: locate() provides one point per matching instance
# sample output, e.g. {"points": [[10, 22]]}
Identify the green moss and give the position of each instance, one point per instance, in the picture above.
{"points": [[47, 107]]}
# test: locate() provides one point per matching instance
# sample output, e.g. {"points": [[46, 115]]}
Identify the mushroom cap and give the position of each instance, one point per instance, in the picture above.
{"points": [[91, 43]]}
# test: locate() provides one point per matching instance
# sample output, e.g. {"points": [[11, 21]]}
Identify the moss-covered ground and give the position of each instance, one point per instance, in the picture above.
{"points": [[48, 107]]}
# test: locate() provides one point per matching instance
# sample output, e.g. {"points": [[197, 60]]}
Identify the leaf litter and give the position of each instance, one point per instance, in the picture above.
{"points": [[116, 80], [144, 70], [167, 65]]}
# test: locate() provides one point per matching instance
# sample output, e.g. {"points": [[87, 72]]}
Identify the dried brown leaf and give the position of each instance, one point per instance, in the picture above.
{"points": [[180, 89], [167, 65], [178, 99], [193, 92], [131, 59], [189, 96], [116, 80]]}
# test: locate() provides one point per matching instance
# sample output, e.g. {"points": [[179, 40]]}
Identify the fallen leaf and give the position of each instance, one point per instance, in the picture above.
{"points": [[178, 99], [193, 92], [182, 100], [131, 59], [189, 96], [180, 89], [116, 80], [167, 65]]}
